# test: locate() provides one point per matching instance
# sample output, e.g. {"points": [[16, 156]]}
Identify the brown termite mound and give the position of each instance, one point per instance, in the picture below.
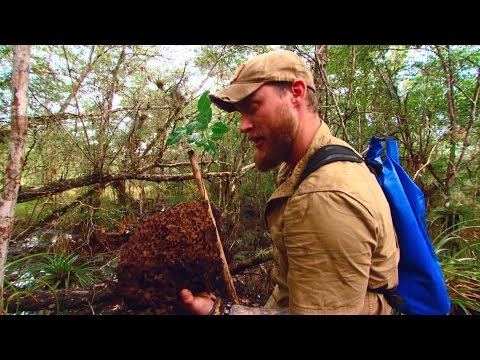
{"points": [[172, 250]]}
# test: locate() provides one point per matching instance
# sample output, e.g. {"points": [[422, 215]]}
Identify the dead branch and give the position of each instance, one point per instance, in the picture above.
{"points": [[259, 259], [230, 287]]}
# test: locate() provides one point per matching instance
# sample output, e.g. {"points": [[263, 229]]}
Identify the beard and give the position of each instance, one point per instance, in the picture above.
{"points": [[279, 141]]}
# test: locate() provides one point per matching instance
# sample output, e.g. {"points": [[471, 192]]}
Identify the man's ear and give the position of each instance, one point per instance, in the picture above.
{"points": [[299, 90]]}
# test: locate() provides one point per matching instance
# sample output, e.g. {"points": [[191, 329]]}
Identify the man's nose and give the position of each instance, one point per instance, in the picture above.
{"points": [[245, 124]]}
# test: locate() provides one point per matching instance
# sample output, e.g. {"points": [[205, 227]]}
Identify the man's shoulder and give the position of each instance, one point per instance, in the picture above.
{"points": [[345, 176]]}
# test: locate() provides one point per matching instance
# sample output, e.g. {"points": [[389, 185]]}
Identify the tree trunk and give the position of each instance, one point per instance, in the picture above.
{"points": [[321, 57], [121, 191], [18, 137]]}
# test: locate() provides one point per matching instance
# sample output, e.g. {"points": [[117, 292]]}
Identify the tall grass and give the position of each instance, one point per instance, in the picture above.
{"points": [[50, 271], [458, 250]]}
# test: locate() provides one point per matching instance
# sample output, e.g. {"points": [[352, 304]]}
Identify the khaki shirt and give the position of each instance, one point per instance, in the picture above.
{"points": [[333, 238]]}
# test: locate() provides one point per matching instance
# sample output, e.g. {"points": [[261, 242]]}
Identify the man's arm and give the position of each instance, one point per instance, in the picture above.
{"points": [[208, 304], [249, 310], [329, 238]]}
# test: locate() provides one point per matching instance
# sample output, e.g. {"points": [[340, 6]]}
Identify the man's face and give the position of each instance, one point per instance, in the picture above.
{"points": [[270, 124]]}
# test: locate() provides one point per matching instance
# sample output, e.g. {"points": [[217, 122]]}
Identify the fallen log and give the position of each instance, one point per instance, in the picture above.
{"points": [[28, 193], [248, 263]]}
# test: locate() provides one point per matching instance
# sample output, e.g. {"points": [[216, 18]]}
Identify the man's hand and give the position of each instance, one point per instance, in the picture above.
{"points": [[199, 304]]}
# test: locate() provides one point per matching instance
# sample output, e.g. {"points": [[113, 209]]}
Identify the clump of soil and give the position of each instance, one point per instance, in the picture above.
{"points": [[172, 250]]}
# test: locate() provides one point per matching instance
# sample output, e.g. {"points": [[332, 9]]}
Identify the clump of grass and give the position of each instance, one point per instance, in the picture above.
{"points": [[458, 251], [50, 271]]}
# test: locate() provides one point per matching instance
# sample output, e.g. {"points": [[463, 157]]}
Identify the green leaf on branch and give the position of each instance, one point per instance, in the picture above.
{"points": [[205, 117], [210, 147], [204, 103], [215, 136], [219, 128], [176, 136], [194, 137], [194, 125], [195, 130]]}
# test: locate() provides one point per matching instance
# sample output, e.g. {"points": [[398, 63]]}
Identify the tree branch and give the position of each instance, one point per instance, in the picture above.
{"points": [[35, 192]]}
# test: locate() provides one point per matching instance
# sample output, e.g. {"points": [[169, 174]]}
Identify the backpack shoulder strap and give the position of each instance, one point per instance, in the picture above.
{"points": [[326, 155]]}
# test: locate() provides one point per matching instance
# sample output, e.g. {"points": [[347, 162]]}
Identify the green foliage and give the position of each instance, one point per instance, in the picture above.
{"points": [[6, 58], [198, 131], [180, 192], [58, 270], [33, 209], [458, 250], [226, 58], [259, 186], [51, 271], [111, 213]]}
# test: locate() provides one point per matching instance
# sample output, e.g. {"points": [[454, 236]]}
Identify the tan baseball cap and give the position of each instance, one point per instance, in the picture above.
{"points": [[279, 65]]}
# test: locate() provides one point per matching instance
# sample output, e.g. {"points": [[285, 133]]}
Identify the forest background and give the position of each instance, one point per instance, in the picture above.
{"points": [[109, 128]]}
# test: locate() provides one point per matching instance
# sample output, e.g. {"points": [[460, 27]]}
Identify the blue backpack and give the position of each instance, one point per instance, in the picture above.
{"points": [[421, 289]]}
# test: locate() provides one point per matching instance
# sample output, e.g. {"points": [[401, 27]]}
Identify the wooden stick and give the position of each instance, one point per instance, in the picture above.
{"points": [[203, 193]]}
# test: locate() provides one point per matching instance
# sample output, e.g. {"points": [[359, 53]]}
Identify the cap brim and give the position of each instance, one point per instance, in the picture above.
{"points": [[227, 98]]}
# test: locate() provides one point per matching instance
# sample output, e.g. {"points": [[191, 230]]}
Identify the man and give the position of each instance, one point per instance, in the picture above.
{"points": [[334, 244]]}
